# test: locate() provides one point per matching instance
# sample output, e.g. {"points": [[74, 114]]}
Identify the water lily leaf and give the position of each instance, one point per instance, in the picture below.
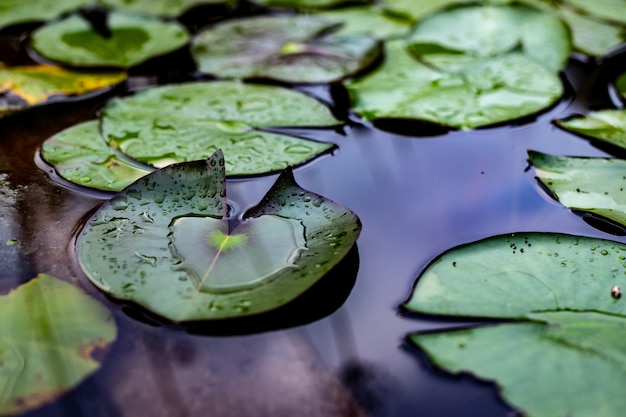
{"points": [[611, 10], [560, 288], [15, 11], [308, 4], [593, 185], [367, 20], [167, 8], [177, 123], [605, 125], [80, 155], [51, 333], [470, 34], [164, 243], [591, 36], [35, 84], [492, 91], [134, 39], [620, 84], [286, 48]]}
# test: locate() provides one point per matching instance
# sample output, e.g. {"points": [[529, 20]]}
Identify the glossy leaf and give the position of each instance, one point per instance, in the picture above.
{"points": [[568, 339], [367, 20], [177, 123], [80, 155], [605, 125], [468, 34], [169, 8], [285, 48], [17, 11], [51, 332], [492, 91], [164, 243], [134, 39], [307, 4], [36, 84], [591, 36], [594, 185]]}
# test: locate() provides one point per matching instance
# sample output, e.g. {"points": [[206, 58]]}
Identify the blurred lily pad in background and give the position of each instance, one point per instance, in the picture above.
{"points": [[16, 11]]}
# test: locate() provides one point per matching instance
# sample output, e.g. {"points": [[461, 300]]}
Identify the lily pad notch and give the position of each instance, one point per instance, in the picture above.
{"points": [[164, 243]]}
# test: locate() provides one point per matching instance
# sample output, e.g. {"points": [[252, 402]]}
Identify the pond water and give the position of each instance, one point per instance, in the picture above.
{"points": [[416, 195]]}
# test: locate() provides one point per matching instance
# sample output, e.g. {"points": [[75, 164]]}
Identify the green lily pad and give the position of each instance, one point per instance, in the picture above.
{"points": [[167, 8], [611, 10], [465, 35], [184, 122], [51, 333], [593, 185], [80, 155], [368, 21], [304, 5], [164, 243], [492, 91], [591, 36], [605, 125], [36, 84], [285, 48], [16, 11], [620, 85], [134, 39], [564, 354]]}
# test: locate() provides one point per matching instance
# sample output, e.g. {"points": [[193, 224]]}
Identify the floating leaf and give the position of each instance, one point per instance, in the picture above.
{"points": [[134, 39], [286, 48], [492, 91], [35, 84], [468, 34], [308, 4], [594, 185], [80, 155], [184, 122], [367, 20], [559, 287], [590, 36], [51, 333], [605, 125], [611, 10], [169, 8], [17, 11], [164, 243]]}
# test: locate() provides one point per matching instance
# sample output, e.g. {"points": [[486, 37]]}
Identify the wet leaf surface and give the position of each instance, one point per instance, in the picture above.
{"points": [[297, 49], [491, 91], [133, 39], [560, 288], [165, 244], [16, 11], [367, 20], [36, 84], [605, 125], [611, 10], [80, 155], [593, 185], [190, 121], [169, 8], [51, 332]]}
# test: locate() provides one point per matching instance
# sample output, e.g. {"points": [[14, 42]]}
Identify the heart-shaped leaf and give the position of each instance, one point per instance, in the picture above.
{"points": [[17, 11], [367, 20], [491, 91], [594, 185], [565, 355], [190, 121], [605, 125], [295, 49], [36, 84], [164, 243], [133, 40], [169, 8], [80, 155], [51, 332]]}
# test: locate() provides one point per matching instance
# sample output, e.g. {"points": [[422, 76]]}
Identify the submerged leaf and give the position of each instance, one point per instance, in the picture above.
{"points": [[286, 48], [593, 185], [559, 287], [134, 39], [37, 83], [169, 8], [184, 122], [605, 125], [164, 243], [52, 339], [18, 11], [491, 91], [80, 155]]}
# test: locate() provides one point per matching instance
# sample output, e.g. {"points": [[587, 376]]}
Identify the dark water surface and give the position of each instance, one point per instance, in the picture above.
{"points": [[416, 197]]}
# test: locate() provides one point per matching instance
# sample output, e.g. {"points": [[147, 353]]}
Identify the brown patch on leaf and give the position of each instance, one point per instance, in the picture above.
{"points": [[34, 400], [95, 350]]}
